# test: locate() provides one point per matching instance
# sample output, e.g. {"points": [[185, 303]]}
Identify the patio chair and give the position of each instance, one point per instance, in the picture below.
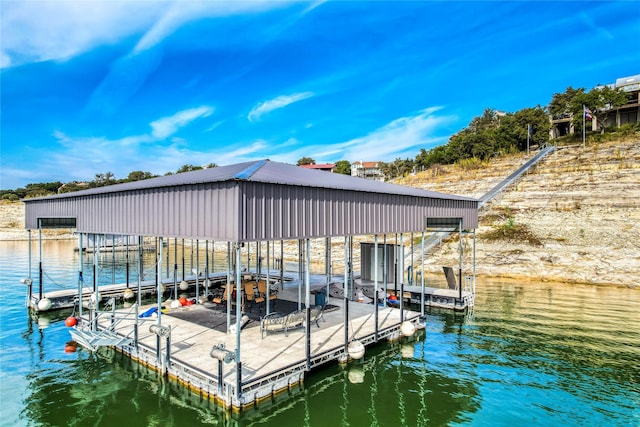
{"points": [[222, 298], [251, 296], [262, 290]]}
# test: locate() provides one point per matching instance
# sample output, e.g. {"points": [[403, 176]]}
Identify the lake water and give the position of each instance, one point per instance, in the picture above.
{"points": [[530, 354]]}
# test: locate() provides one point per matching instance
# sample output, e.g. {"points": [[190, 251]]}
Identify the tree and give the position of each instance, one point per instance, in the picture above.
{"points": [[306, 161], [397, 168], [211, 165], [188, 168], [435, 156], [12, 197], [561, 105], [538, 119], [343, 167], [488, 120], [600, 101], [102, 179], [71, 187], [138, 176]]}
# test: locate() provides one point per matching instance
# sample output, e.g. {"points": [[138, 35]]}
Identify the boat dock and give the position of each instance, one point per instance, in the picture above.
{"points": [[270, 364], [253, 208]]}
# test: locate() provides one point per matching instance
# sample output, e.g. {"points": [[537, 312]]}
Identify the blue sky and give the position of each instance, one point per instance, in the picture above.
{"points": [[92, 87]]}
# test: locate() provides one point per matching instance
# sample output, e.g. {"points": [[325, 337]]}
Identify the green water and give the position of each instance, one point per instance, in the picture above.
{"points": [[529, 354]]}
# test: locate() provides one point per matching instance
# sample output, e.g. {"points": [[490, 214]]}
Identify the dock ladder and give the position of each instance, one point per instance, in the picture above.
{"points": [[93, 339]]}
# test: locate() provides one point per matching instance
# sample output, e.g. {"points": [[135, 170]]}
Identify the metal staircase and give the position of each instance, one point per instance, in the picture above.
{"points": [[437, 236], [93, 338]]}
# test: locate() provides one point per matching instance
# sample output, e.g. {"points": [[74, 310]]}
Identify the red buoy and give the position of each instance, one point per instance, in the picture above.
{"points": [[393, 297], [71, 321], [70, 347]]}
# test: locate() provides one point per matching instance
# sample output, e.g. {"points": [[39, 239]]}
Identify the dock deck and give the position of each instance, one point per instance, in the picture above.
{"points": [[269, 365]]}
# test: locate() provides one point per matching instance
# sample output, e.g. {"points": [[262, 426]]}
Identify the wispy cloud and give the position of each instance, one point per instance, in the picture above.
{"points": [[401, 137], [160, 129], [84, 156], [122, 83], [275, 104], [126, 76], [181, 12], [35, 31], [41, 31], [589, 22]]}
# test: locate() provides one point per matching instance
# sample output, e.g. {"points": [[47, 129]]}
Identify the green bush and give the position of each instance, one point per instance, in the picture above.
{"points": [[12, 197], [470, 163]]}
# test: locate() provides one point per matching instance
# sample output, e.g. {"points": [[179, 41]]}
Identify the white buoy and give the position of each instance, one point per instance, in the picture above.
{"points": [[356, 375], [407, 351], [184, 286], [128, 294], [355, 349], [43, 322], [94, 300], [175, 304], [44, 304], [407, 328]]}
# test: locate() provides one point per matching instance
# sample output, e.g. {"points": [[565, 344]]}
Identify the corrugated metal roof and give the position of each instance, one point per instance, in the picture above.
{"points": [[264, 171], [280, 173], [217, 174]]}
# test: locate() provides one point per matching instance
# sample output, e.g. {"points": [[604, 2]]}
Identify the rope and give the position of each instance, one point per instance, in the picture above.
{"points": [[53, 281]]}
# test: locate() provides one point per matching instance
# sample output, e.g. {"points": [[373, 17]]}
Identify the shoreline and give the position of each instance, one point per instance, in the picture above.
{"points": [[23, 235], [430, 270]]}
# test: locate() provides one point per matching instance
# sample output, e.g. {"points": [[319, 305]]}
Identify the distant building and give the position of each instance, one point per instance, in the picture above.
{"points": [[367, 170], [328, 167], [628, 113]]}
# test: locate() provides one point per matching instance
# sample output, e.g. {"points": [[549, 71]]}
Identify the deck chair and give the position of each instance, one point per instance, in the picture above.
{"points": [[252, 298], [262, 290], [224, 297]]}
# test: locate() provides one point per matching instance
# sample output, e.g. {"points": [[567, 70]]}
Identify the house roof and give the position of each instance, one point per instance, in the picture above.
{"points": [[367, 164], [320, 166]]}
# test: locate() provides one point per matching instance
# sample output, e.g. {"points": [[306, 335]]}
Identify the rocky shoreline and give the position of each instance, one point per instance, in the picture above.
{"points": [[576, 217]]}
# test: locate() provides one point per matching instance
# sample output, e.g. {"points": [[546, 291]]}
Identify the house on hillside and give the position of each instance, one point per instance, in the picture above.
{"points": [[616, 117], [367, 170], [327, 167], [630, 112]]}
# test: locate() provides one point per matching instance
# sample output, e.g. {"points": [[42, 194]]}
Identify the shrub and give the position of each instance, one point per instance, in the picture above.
{"points": [[470, 163], [12, 197]]}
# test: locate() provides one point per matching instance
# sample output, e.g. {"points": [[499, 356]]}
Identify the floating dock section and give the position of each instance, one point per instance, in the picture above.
{"points": [[194, 352]]}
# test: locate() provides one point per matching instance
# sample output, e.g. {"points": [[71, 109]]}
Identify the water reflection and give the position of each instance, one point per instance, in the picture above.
{"points": [[391, 386], [60, 263]]}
